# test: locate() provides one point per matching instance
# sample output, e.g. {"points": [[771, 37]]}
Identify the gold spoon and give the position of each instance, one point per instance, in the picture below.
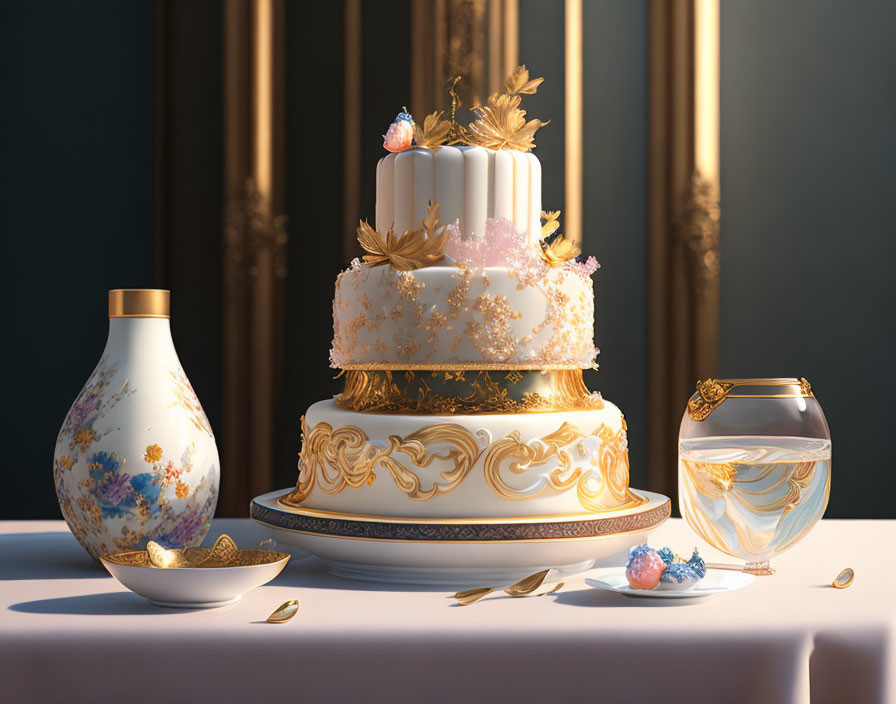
{"points": [[285, 611], [524, 587], [528, 584], [471, 596]]}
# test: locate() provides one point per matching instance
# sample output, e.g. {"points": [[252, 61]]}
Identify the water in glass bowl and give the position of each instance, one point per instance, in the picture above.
{"points": [[753, 497]]}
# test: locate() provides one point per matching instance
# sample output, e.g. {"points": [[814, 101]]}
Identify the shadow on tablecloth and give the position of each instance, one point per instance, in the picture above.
{"points": [[54, 555], [106, 604]]}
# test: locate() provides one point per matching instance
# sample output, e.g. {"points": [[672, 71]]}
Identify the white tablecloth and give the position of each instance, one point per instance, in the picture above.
{"points": [[70, 633]]}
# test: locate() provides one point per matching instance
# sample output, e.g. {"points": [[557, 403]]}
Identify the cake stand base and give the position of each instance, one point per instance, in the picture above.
{"points": [[461, 552]]}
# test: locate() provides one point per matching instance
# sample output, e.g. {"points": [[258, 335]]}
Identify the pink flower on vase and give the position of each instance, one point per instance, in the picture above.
{"points": [[400, 135]]}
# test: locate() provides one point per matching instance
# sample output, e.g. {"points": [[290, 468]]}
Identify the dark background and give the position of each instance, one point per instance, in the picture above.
{"points": [[808, 181]]}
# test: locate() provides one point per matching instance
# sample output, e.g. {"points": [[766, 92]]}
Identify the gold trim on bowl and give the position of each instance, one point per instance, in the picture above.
{"points": [[710, 394]]}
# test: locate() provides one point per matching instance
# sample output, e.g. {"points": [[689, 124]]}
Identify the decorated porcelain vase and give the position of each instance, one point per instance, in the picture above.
{"points": [[136, 459]]}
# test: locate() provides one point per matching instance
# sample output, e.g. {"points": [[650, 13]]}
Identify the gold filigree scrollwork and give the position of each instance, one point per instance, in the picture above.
{"points": [[334, 459], [596, 464], [709, 395], [445, 392], [805, 387], [599, 487], [699, 232]]}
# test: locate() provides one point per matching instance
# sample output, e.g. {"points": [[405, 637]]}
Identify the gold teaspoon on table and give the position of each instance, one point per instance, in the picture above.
{"points": [[525, 587], [284, 612]]}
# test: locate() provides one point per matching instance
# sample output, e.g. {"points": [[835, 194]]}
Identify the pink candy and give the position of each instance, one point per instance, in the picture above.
{"points": [[644, 568]]}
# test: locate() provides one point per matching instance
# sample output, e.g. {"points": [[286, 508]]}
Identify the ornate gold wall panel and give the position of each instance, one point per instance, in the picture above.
{"points": [[351, 167], [448, 38], [683, 222], [574, 157], [254, 241]]}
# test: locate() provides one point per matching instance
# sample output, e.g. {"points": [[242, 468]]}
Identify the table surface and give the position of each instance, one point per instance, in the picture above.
{"points": [[67, 626]]}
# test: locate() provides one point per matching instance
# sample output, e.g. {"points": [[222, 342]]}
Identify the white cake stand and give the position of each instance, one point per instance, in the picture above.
{"points": [[457, 552]]}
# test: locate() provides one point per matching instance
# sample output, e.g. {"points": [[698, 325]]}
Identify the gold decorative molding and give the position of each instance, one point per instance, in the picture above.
{"points": [[351, 138], [254, 244], [602, 486], [574, 157], [466, 392], [334, 459], [683, 218], [710, 394], [699, 234], [338, 458], [447, 39]]}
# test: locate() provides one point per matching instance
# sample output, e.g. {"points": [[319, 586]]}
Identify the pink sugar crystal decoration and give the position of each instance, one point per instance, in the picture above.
{"points": [[583, 269], [501, 245]]}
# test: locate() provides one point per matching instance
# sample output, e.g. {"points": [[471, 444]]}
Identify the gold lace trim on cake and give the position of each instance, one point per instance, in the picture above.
{"points": [[434, 392]]}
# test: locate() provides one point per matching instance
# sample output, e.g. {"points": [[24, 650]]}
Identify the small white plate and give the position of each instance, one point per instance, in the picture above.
{"points": [[612, 579]]}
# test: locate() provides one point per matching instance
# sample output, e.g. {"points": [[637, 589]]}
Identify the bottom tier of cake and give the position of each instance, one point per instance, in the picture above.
{"points": [[463, 466]]}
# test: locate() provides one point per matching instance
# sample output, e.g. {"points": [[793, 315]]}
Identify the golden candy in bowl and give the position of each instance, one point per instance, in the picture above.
{"points": [[195, 578]]}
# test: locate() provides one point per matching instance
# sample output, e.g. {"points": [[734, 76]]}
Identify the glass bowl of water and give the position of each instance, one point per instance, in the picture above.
{"points": [[754, 466]]}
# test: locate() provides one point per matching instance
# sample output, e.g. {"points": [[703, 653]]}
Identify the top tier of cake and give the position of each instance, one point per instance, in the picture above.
{"points": [[471, 184]]}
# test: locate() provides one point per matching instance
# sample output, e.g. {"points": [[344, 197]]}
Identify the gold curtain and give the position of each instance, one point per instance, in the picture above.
{"points": [[254, 246], [683, 222]]}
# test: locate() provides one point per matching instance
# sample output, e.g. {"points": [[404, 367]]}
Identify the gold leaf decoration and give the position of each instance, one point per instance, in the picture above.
{"points": [[558, 251], [457, 133], [413, 249], [550, 222], [435, 132], [502, 123], [518, 83]]}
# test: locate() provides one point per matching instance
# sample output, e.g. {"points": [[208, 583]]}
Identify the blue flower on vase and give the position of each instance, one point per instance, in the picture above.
{"points": [[145, 485]]}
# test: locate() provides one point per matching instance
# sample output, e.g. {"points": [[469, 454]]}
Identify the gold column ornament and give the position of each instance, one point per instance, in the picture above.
{"points": [[476, 39], [683, 220], [572, 220], [351, 167], [254, 244]]}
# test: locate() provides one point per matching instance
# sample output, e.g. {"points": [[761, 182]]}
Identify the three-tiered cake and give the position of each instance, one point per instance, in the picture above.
{"points": [[464, 424]]}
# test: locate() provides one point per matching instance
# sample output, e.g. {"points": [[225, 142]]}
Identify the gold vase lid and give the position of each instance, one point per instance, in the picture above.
{"points": [[139, 303]]}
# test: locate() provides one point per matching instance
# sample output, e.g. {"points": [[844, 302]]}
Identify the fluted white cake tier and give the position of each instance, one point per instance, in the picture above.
{"points": [[471, 184], [522, 465]]}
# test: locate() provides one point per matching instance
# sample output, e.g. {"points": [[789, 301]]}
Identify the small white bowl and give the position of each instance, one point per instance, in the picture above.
{"points": [[194, 587]]}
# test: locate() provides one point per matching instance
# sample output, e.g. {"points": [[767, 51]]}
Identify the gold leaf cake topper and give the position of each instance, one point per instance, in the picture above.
{"points": [[501, 122], [435, 132], [413, 249]]}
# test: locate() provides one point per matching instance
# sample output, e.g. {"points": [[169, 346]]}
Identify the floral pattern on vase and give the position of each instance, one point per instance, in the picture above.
{"points": [[134, 462]]}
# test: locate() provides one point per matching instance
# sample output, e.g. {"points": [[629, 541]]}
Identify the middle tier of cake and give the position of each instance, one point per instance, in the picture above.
{"points": [[493, 317], [463, 466]]}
